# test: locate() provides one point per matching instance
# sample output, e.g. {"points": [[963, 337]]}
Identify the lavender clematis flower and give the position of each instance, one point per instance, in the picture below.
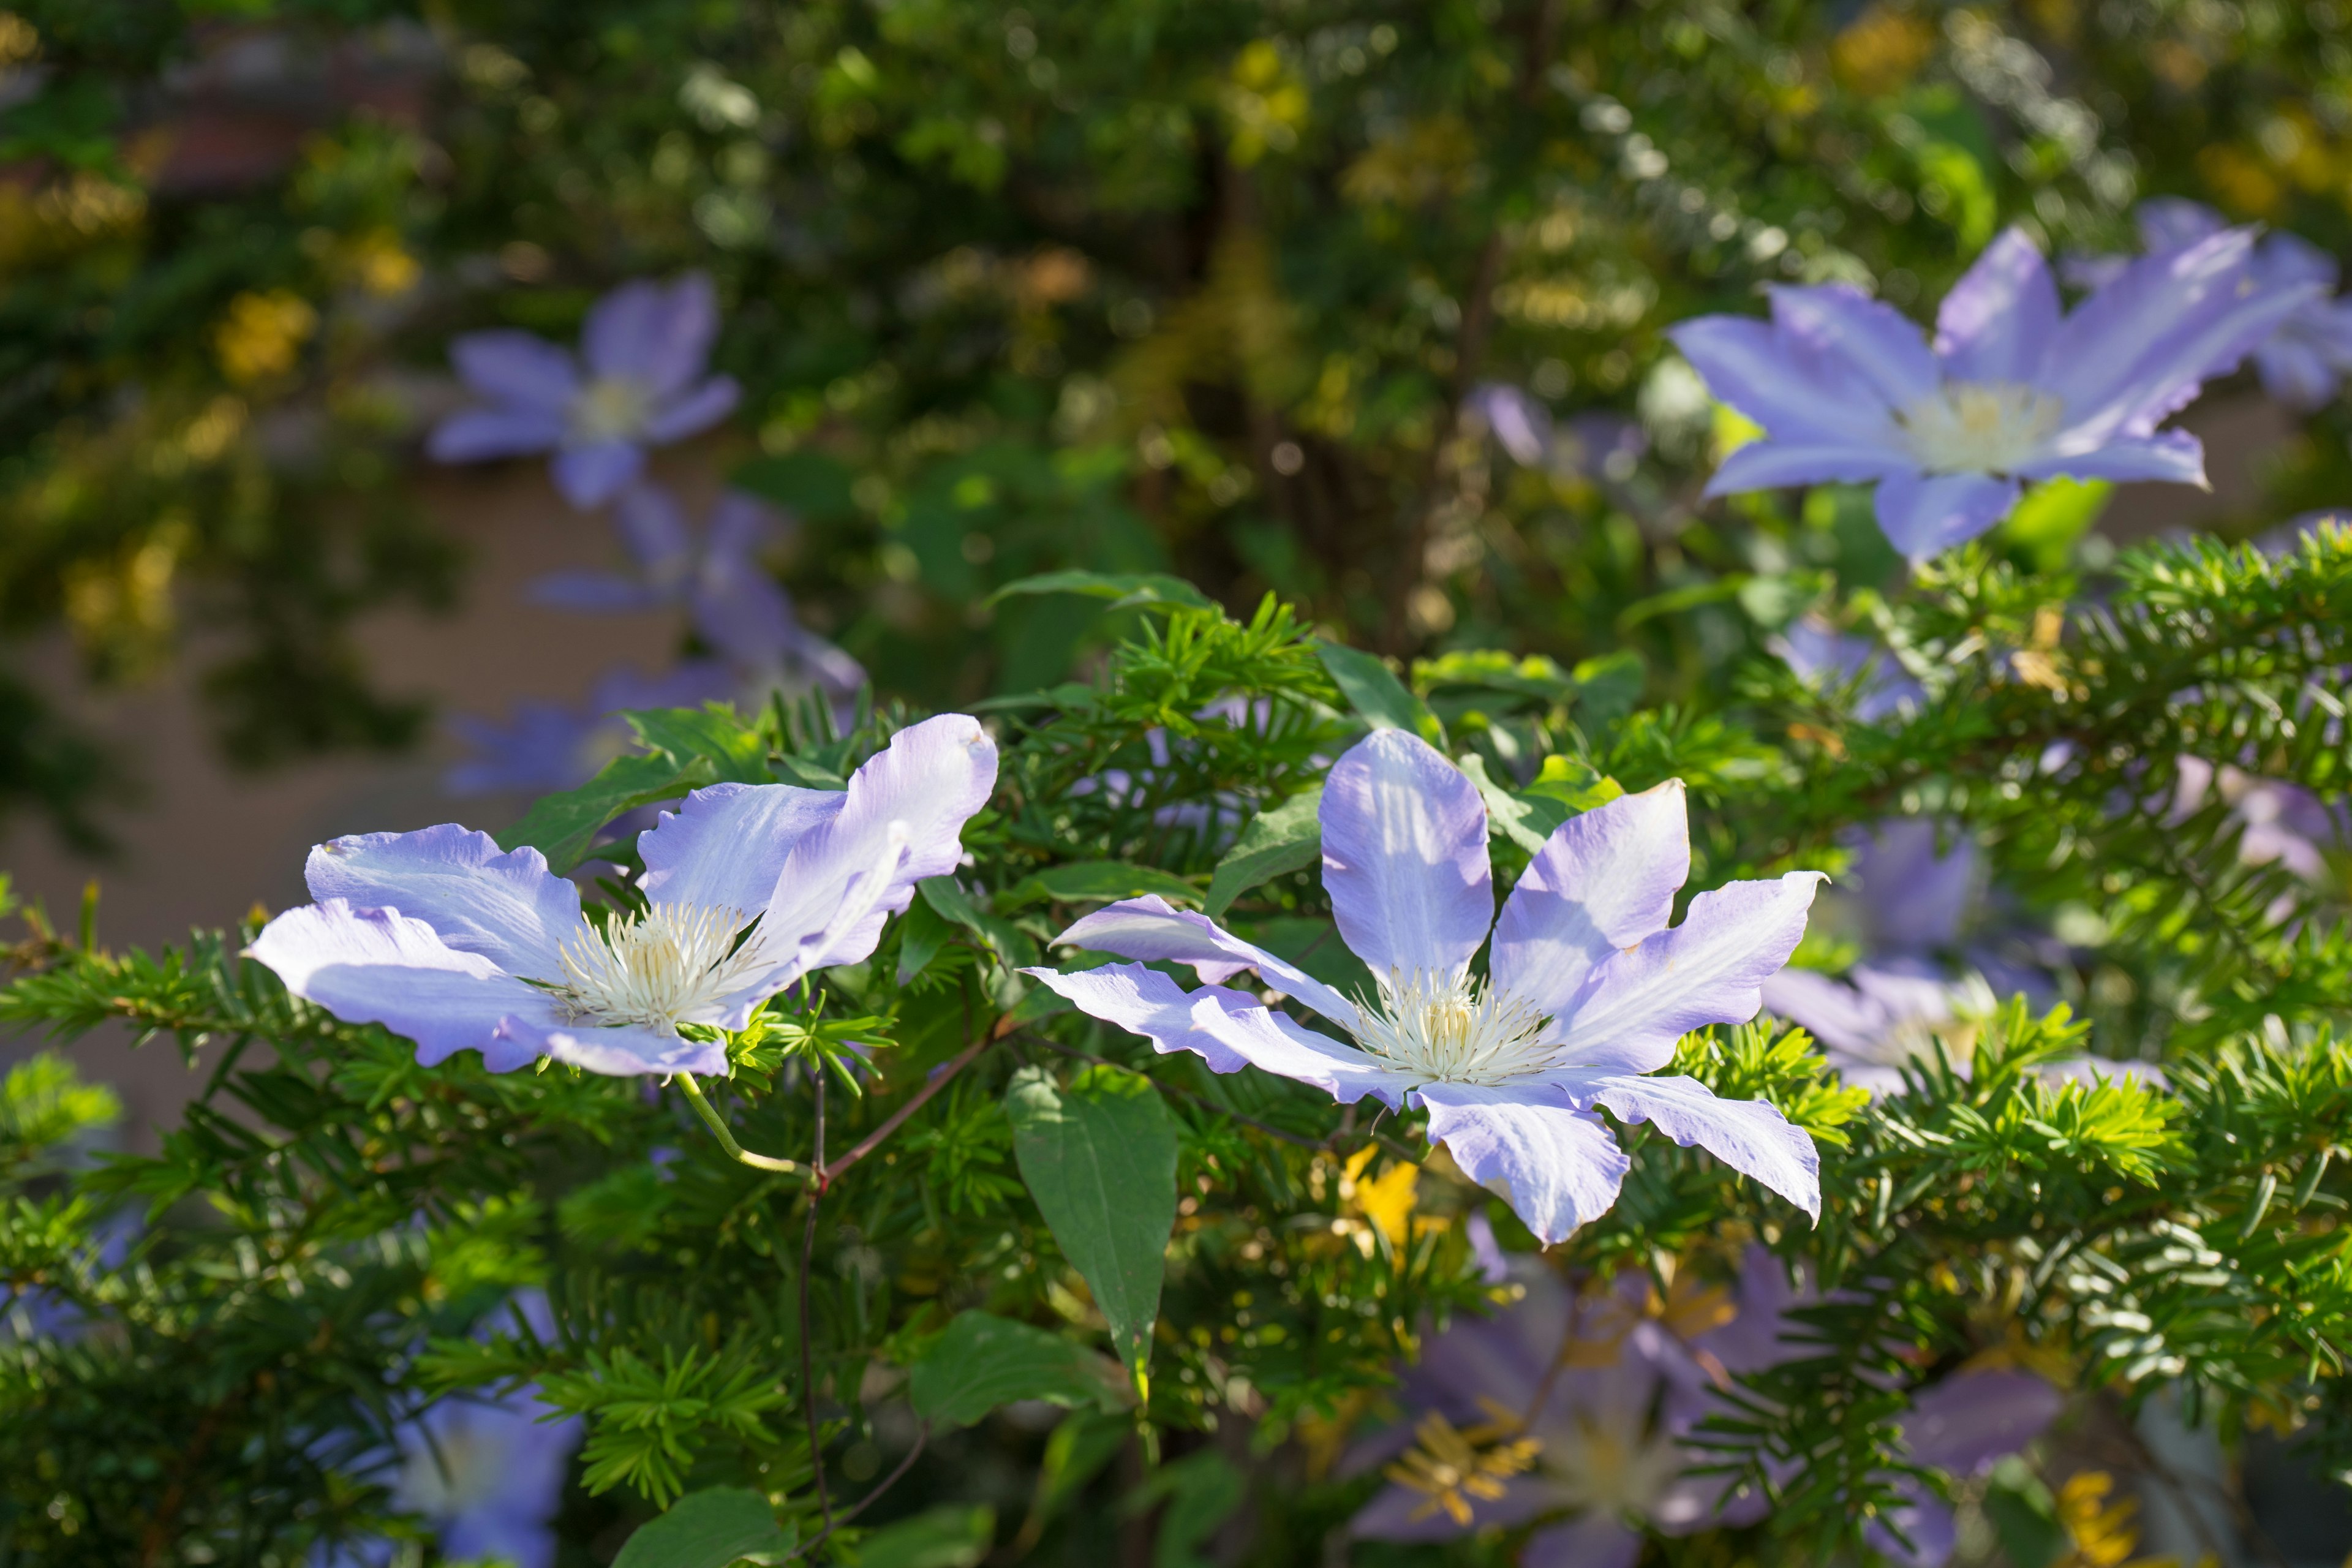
{"points": [[1830, 660], [645, 347], [1587, 992], [2304, 361], [1962, 1424], [2278, 821], [438, 936], [547, 746], [1847, 390], [736, 606], [1589, 446]]}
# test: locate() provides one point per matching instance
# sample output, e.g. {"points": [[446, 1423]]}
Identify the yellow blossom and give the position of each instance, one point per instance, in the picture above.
{"points": [[262, 333]]}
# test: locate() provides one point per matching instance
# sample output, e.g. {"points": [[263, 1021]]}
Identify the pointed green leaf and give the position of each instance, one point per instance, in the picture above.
{"points": [[1526, 820], [1006, 942], [712, 1529], [921, 934], [1100, 1158], [1290, 838], [735, 751], [1607, 688], [1101, 881], [957, 1536], [982, 1362], [1376, 694], [564, 826], [1122, 588]]}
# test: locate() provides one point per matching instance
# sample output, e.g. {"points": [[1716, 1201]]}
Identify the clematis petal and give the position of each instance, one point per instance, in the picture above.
{"points": [[2171, 455], [1834, 1013], [516, 368], [1772, 463], [1404, 857], [2300, 375], [1849, 328], [477, 434], [658, 335], [1595, 1540], [506, 905], [1704, 971], [2175, 223], [1924, 516], [1967, 1422], [1152, 929], [928, 781], [1749, 1135], [1147, 1002], [725, 848], [592, 593], [621, 1052], [1604, 881], [380, 966], [1520, 425], [591, 476], [1915, 886], [2001, 318], [1927, 1524], [653, 528], [695, 412], [1558, 1168], [1280, 1044], [743, 615], [1799, 395]]}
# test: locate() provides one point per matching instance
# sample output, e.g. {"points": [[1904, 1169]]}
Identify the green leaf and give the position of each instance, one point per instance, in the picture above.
{"points": [[953, 1537], [982, 1362], [1376, 694], [920, 936], [1100, 1158], [1290, 838], [1008, 945], [1526, 820], [1121, 588], [1202, 1491], [1607, 688], [1575, 783], [2026, 1516], [709, 1530], [1098, 880], [2054, 513], [564, 826], [735, 751]]}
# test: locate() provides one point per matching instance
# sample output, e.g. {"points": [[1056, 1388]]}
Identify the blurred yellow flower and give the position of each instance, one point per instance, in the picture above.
{"points": [[1387, 1200], [381, 264], [262, 333], [1881, 49], [1266, 103]]}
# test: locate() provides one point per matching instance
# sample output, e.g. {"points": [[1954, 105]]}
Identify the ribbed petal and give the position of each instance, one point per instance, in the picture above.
{"points": [[694, 412], [1704, 971], [591, 476], [1923, 517], [1770, 464], [625, 1051], [506, 905], [1602, 882], [1404, 857], [1875, 340], [727, 846], [2001, 318], [1799, 395], [930, 779], [1147, 1002], [1749, 1135], [660, 336], [517, 368], [380, 966], [1151, 929], [1280, 1044], [1558, 1168], [479, 434]]}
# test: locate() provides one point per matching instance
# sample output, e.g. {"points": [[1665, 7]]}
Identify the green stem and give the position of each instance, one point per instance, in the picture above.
{"points": [[735, 1151]]}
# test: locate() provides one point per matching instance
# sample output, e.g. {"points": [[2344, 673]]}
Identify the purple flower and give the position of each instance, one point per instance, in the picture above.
{"points": [[2304, 359], [645, 347], [1830, 661], [438, 936], [1961, 1424], [736, 606], [2277, 821], [1591, 446], [1587, 992], [1847, 390], [548, 746], [1575, 1409]]}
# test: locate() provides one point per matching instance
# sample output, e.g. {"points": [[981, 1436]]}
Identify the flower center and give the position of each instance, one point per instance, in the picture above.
{"points": [[470, 1479], [1453, 1029], [1980, 426], [658, 969], [609, 408], [1612, 1473]]}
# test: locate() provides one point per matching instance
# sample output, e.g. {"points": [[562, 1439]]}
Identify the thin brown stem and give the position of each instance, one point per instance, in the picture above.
{"points": [[922, 1437], [939, 1080]]}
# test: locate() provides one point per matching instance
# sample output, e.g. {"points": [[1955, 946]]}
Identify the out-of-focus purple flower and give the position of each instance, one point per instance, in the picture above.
{"points": [[1586, 992], [548, 746], [41, 1314], [1589, 446], [438, 936], [1847, 391], [637, 381], [1830, 660], [1573, 1410], [1962, 1424], [736, 606], [2306, 357], [2277, 821]]}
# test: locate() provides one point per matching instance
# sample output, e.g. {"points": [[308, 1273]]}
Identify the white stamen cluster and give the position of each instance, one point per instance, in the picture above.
{"points": [[609, 408], [1980, 426], [1452, 1029], [657, 969]]}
